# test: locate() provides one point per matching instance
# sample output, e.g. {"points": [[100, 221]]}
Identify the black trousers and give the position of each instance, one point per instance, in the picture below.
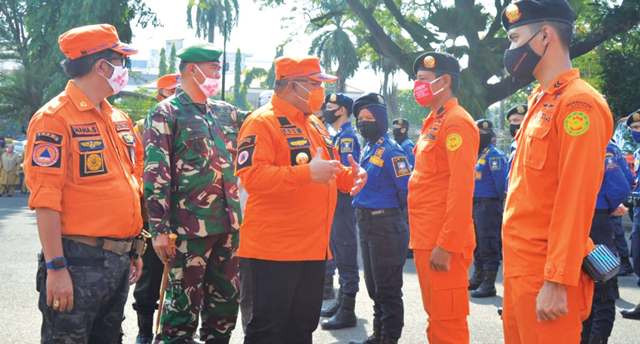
{"points": [[384, 239], [487, 219], [603, 310], [286, 299], [147, 290]]}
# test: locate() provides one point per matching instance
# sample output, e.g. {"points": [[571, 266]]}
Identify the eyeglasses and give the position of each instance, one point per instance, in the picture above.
{"points": [[123, 61]]}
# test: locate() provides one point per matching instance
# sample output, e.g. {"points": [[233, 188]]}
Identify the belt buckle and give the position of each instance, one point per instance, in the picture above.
{"points": [[377, 212]]}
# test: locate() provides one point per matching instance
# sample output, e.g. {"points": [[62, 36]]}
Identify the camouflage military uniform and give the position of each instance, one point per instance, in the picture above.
{"points": [[191, 190]]}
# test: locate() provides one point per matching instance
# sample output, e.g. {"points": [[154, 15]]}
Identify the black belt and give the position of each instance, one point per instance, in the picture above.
{"points": [[603, 212], [380, 212]]}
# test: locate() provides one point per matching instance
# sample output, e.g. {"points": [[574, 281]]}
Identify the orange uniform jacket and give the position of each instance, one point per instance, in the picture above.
{"points": [[441, 185], [81, 163], [288, 217], [555, 177]]}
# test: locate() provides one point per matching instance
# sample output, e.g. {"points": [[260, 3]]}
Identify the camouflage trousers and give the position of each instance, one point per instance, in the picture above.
{"points": [[100, 288], [203, 282]]}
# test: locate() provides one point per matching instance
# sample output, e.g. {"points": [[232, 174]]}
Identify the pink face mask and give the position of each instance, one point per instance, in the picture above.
{"points": [[423, 92], [210, 86]]}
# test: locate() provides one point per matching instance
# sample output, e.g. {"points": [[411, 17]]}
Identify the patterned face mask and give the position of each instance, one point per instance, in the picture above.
{"points": [[210, 86], [119, 78]]}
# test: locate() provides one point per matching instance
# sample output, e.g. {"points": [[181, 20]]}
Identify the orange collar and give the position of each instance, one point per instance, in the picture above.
{"points": [[560, 81], [82, 102], [282, 107], [451, 103]]}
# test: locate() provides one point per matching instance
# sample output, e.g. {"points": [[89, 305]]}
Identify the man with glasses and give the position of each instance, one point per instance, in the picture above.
{"points": [[191, 191], [80, 168], [289, 166]]}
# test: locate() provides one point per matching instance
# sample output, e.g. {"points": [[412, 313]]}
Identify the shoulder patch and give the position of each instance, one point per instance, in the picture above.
{"points": [[576, 123], [122, 126], [401, 166], [246, 148], [50, 137], [46, 155], [346, 145], [453, 141]]}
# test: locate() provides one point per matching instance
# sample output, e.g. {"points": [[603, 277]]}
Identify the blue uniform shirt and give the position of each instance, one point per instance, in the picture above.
{"points": [[347, 143], [615, 186], [389, 170], [407, 145], [621, 161], [491, 174]]}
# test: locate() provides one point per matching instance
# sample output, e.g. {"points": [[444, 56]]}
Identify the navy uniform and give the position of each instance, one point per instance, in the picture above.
{"points": [[401, 135], [488, 195], [384, 235], [344, 239], [614, 190]]}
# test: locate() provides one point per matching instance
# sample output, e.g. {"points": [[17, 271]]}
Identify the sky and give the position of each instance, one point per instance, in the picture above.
{"points": [[259, 32]]}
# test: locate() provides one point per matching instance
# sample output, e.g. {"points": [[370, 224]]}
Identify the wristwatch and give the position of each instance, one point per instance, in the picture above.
{"points": [[57, 263]]}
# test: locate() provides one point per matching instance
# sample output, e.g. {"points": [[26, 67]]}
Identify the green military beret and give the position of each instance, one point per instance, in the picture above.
{"points": [[204, 52]]}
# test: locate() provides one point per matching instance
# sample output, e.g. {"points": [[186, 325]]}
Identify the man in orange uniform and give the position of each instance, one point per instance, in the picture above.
{"points": [[80, 168], [441, 198], [166, 86], [555, 177], [288, 164]]}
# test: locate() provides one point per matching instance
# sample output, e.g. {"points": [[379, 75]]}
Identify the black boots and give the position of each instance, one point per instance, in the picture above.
{"points": [[145, 328], [374, 338], [328, 293], [633, 313], [625, 266], [332, 309], [345, 315], [476, 278], [488, 286]]}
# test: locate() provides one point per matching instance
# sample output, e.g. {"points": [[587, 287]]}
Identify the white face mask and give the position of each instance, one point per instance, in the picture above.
{"points": [[119, 78], [210, 86]]}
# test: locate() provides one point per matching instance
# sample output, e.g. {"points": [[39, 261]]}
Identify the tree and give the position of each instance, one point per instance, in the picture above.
{"points": [[237, 70], [211, 15], [467, 29], [254, 73], [162, 65], [29, 31], [271, 75], [172, 59], [334, 45]]}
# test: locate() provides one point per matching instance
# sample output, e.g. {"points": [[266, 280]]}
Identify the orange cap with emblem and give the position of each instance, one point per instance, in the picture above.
{"points": [[90, 39], [168, 81], [309, 67]]}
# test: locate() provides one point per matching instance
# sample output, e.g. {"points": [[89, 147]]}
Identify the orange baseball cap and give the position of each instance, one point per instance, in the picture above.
{"points": [[90, 39], [168, 81], [309, 66]]}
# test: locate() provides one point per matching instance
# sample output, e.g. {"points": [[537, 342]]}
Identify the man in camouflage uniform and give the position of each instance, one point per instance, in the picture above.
{"points": [[191, 190]]}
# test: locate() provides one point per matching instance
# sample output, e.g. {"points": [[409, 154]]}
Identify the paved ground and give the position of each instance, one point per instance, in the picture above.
{"points": [[20, 318]]}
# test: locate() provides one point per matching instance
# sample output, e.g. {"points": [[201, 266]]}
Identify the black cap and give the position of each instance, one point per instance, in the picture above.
{"points": [[366, 100], [401, 122], [437, 62], [633, 117], [533, 11], [517, 110], [339, 99], [484, 125]]}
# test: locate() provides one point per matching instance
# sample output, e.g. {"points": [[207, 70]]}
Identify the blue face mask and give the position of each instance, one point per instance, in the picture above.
{"points": [[635, 135]]}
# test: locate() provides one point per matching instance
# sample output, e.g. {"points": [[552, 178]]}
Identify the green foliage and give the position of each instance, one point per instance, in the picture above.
{"points": [[172, 60], [237, 75], [212, 15], [271, 75], [162, 65], [136, 104], [620, 62]]}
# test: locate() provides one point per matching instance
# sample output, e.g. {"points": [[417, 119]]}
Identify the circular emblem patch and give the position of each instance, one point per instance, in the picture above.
{"points": [[429, 62], [513, 14], [576, 124], [243, 157], [302, 158], [454, 141], [333, 98], [94, 162], [45, 154]]}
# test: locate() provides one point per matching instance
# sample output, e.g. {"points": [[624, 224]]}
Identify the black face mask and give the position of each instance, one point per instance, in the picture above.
{"points": [[485, 140], [513, 129], [369, 130], [520, 62], [398, 135], [330, 115]]}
